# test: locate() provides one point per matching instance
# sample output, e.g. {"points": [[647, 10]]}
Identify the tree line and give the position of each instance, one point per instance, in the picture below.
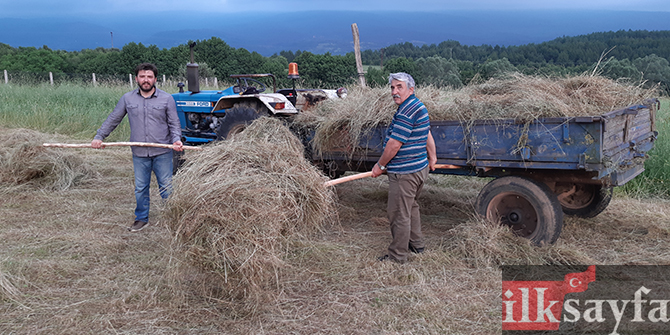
{"points": [[638, 56]]}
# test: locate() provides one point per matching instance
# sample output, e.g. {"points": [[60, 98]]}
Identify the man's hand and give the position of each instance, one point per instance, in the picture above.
{"points": [[376, 171], [178, 146], [392, 147], [97, 144], [432, 151], [431, 163]]}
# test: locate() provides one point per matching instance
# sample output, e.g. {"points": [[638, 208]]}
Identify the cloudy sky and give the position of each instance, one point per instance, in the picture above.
{"points": [[36, 8]]}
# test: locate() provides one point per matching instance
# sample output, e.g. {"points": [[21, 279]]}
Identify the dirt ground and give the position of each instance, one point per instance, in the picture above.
{"points": [[68, 265]]}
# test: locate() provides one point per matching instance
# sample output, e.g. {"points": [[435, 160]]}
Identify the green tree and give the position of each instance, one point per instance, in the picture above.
{"points": [[497, 68], [655, 70], [30, 59], [403, 65], [326, 71], [620, 69], [439, 71], [375, 77]]}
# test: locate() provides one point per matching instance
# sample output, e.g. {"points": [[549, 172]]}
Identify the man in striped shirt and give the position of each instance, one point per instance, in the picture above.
{"points": [[409, 152]]}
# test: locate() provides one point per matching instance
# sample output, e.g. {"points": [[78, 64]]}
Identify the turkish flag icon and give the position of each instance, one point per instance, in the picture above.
{"points": [[579, 282]]}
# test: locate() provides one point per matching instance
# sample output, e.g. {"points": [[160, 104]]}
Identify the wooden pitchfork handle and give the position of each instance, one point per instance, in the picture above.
{"points": [[369, 174], [119, 144]]}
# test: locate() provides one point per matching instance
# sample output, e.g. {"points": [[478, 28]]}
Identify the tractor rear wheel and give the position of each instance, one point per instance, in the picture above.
{"points": [[238, 118]]}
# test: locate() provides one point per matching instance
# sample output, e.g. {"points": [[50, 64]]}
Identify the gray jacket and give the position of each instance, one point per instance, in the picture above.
{"points": [[152, 119]]}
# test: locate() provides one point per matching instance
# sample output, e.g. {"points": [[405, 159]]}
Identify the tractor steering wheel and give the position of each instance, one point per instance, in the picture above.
{"points": [[246, 89]]}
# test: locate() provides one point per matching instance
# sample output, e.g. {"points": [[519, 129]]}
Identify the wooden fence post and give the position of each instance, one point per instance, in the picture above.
{"points": [[163, 80], [94, 81], [130, 80], [357, 52], [51, 78], [6, 77]]}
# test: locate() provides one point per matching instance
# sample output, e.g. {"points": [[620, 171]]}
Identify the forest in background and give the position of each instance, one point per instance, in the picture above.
{"points": [[637, 56]]}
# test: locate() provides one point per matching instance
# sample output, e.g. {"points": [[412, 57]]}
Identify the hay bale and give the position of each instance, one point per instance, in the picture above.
{"points": [[23, 160], [237, 205], [341, 122]]}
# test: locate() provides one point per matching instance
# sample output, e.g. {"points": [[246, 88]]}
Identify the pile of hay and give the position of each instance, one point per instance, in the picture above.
{"points": [[237, 205], [518, 96], [24, 161], [480, 244], [528, 98]]}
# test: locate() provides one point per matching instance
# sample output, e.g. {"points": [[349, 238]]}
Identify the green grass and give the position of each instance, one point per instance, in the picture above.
{"points": [[655, 180], [76, 111]]}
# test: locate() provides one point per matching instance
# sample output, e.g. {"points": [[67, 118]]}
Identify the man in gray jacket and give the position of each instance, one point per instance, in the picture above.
{"points": [[152, 115]]}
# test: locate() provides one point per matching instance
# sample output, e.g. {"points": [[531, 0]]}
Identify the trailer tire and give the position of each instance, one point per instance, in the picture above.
{"points": [[238, 118], [585, 201], [529, 207]]}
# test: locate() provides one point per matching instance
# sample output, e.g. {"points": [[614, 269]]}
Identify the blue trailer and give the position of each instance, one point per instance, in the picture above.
{"points": [[543, 168]]}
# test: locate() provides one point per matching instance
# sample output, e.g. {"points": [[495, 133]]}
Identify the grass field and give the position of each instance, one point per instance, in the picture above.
{"points": [[68, 264]]}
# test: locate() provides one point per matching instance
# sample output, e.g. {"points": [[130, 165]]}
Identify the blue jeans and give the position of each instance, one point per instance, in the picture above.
{"points": [[161, 166]]}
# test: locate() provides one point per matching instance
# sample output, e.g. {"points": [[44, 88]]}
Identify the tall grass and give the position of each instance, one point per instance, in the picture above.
{"points": [[73, 110], [655, 180]]}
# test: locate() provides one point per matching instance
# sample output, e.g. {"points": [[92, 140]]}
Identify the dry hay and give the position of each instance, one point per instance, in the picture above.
{"points": [[7, 289], [481, 243], [528, 98], [24, 161], [237, 206], [342, 122]]}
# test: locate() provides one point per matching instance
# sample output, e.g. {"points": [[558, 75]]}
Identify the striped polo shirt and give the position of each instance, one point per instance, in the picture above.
{"points": [[410, 126]]}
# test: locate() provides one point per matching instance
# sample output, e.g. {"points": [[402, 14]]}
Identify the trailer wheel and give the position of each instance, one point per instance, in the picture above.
{"points": [[583, 200], [529, 207], [238, 118]]}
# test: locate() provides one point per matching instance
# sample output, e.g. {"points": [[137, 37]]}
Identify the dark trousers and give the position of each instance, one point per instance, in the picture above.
{"points": [[403, 212]]}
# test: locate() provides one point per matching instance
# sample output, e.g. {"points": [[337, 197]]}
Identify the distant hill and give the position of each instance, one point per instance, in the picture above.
{"points": [[321, 32]]}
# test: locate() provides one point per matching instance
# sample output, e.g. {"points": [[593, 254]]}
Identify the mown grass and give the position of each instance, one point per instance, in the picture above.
{"points": [[69, 266]]}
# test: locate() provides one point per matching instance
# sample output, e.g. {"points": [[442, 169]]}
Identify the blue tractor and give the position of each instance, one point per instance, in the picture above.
{"points": [[207, 116]]}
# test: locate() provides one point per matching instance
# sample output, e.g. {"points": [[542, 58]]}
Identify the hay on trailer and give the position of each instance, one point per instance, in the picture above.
{"points": [[237, 205], [340, 123], [23, 161]]}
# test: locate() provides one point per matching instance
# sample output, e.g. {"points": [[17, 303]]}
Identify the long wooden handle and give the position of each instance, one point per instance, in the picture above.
{"points": [[369, 174], [119, 144], [348, 178]]}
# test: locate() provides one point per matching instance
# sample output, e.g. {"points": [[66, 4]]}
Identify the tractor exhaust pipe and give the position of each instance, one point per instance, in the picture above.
{"points": [[192, 75]]}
